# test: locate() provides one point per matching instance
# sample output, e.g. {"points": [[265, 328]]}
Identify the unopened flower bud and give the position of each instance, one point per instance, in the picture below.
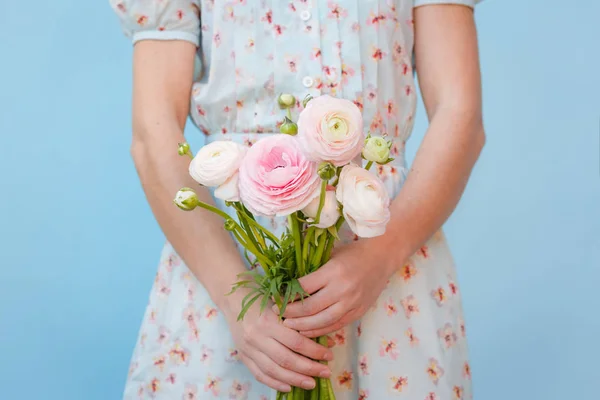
{"points": [[288, 127], [286, 100], [377, 150], [306, 100], [230, 225], [326, 171], [186, 199], [184, 148]]}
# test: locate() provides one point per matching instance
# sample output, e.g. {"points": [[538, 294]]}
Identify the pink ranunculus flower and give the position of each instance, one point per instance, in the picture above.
{"points": [[331, 129], [365, 201], [276, 178]]}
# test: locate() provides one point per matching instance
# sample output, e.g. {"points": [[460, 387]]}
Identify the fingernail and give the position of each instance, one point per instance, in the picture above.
{"points": [[308, 384], [289, 323], [328, 356], [285, 388], [275, 309], [325, 373]]}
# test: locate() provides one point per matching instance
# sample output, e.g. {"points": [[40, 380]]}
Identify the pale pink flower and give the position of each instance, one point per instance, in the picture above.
{"points": [[276, 178], [212, 385], [190, 392], [390, 307], [389, 347], [398, 383], [216, 165], [239, 390], [447, 335], [330, 212], [365, 199], [331, 129], [363, 364], [410, 305]]}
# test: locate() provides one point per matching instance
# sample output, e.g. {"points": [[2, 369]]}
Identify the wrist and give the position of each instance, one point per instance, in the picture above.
{"points": [[389, 250], [231, 304]]}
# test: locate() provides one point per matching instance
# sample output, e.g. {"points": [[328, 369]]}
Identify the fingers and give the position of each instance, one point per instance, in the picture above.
{"points": [[266, 361], [309, 306], [264, 378], [315, 280], [304, 346], [325, 331], [325, 318]]}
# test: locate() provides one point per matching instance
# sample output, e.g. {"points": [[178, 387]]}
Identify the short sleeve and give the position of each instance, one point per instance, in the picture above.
{"points": [[159, 19], [470, 3]]}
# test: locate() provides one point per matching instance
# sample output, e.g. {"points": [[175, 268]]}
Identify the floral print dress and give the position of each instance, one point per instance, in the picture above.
{"points": [[411, 344]]}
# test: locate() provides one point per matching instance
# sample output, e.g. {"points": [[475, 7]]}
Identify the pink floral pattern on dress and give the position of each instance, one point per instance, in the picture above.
{"points": [[412, 343]]}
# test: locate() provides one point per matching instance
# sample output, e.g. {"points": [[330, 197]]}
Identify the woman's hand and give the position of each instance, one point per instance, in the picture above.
{"points": [[276, 355], [342, 290]]}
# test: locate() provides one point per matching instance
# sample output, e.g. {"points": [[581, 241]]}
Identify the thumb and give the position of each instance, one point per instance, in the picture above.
{"points": [[315, 280]]}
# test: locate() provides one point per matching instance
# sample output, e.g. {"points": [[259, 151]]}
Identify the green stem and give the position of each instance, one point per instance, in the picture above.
{"points": [[264, 231], [307, 244], [289, 113], [368, 165], [330, 394], [331, 242], [321, 201], [323, 382], [249, 231], [315, 393], [213, 209], [252, 221], [244, 240], [337, 176], [316, 258], [295, 227]]}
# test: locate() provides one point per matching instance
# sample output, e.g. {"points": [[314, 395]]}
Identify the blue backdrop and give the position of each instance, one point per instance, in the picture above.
{"points": [[79, 246]]}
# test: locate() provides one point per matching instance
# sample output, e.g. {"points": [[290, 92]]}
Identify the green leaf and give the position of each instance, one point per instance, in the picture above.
{"points": [[333, 231], [318, 233], [247, 306], [286, 299], [389, 160], [297, 290], [263, 303]]}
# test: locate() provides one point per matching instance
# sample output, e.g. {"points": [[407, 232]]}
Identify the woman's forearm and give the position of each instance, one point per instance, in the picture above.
{"points": [[162, 80], [436, 181], [447, 64], [198, 236]]}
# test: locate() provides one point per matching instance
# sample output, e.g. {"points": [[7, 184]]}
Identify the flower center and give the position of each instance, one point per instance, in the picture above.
{"points": [[337, 127]]}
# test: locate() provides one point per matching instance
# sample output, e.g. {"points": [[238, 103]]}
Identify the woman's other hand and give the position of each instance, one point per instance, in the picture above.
{"points": [[276, 355]]}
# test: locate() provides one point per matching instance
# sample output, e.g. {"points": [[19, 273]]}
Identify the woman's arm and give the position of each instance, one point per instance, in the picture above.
{"points": [[447, 64], [161, 94], [162, 79], [448, 70]]}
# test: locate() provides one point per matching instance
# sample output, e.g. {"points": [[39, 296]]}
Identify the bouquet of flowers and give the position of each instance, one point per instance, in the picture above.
{"points": [[309, 174]]}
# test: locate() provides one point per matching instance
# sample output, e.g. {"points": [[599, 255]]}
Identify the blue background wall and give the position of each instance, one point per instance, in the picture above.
{"points": [[79, 247]]}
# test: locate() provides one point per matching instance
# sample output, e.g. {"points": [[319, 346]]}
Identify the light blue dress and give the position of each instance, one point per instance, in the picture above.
{"points": [[411, 344]]}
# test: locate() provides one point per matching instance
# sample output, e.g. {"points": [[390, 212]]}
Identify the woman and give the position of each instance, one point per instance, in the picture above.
{"points": [[390, 304]]}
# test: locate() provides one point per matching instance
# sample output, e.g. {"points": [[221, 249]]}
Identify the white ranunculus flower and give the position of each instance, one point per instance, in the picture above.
{"points": [[229, 190], [365, 201], [376, 149], [186, 199], [329, 214], [215, 165]]}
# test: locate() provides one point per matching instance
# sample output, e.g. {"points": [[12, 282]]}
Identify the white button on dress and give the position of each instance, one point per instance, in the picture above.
{"points": [[307, 81], [305, 15]]}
